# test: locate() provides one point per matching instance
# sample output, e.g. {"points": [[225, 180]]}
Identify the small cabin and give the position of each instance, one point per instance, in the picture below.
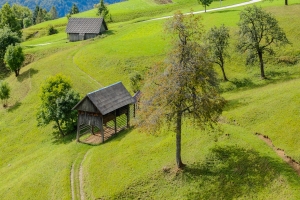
{"points": [[85, 28], [106, 110]]}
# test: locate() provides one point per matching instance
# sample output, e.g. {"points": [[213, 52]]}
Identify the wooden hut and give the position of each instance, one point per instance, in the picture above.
{"points": [[85, 28], [102, 106]]}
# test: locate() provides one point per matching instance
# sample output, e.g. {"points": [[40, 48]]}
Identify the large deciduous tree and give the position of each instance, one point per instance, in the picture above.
{"points": [[258, 32], [185, 85], [205, 3], [4, 92], [8, 18], [14, 58], [218, 42], [58, 98]]}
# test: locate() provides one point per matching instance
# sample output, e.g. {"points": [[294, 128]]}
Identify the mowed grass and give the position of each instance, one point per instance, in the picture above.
{"points": [[36, 165]]}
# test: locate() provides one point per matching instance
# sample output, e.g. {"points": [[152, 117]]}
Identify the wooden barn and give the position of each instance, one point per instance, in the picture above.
{"points": [[85, 28], [106, 110]]}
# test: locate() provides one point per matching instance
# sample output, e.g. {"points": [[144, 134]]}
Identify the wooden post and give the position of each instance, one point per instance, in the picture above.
{"points": [[78, 128], [93, 130], [101, 129], [128, 115], [115, 120]]}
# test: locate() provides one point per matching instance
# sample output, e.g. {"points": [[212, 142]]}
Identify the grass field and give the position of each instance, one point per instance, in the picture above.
{"points": [[227, 163]]}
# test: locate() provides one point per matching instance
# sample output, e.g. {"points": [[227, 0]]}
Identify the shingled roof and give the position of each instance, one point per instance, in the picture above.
{"points": [[109, 98], [85, 25]]}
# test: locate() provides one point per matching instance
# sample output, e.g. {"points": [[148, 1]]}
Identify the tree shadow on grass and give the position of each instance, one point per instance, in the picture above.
{"points": [[223, 11], [27, 74], [243, 83], [58, 139], [232, 172], [14, 107]]}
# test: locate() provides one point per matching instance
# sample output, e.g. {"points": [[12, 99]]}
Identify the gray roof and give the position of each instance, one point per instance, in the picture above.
{"points": [[110, 98], [85, 25]]}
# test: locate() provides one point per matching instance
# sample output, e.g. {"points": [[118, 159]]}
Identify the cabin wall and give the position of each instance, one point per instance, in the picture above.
{"points": [[87, 106], [102, 29], [73, 37], [90, 35]]}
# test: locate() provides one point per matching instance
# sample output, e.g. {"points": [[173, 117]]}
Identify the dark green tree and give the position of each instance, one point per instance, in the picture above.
{"points": [[53, 13], [57, 100], [40, 17], [102, 9], [186, 85], [7, 37], [205, 3], [258, 32], [14, 58], [7, 18], [35, 14], [74, 9], [4, 92], [218, 43]]}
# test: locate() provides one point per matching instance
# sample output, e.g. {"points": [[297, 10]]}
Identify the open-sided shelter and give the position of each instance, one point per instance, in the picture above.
{"points": [[103, 106], [85, 28]]}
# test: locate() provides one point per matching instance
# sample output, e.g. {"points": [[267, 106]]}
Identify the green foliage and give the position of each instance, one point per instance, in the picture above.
{"points": [[51, 30], [7, 37], [205, 3], [27, 22], [102, 9], [14, 58], [8, 18], [218, 43], [258, 31], [53, 13], [74, 9], [58, 99], [4, 92], [22, 13]]}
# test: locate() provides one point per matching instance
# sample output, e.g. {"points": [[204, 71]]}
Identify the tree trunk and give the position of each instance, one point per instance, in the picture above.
{"points": [[179, 163], [59, 128], [223, 71], [286, 2], [205, 8], [262, 70]]}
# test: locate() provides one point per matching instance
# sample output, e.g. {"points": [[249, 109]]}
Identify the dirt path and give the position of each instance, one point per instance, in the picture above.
{"points": [[81, 177], [86, 73], [72, 181], [280, 152], [210, 10]]}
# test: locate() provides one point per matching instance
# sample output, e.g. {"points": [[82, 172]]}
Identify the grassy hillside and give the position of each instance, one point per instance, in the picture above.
{"points": [[230, 162]]}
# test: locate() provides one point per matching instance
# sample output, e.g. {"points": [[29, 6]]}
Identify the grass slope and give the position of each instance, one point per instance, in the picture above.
{"points": [[35, 164]]}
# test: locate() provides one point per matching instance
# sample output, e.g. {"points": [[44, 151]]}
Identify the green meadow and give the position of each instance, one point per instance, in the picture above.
{"points": [[229, 162]]}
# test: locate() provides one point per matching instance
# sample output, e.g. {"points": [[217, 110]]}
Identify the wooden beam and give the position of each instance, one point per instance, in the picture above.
{"points": [[115, 120], [128, 116], [78, 129]]}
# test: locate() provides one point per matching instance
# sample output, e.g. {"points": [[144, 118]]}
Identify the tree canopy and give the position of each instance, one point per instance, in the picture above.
{"points": [[57, 100], [218, 43], [8, 18], [7, 37], [4, 92], [14, 58], [205, 3], [102, 9], [258, 32], [185, 85], [74, 9]]}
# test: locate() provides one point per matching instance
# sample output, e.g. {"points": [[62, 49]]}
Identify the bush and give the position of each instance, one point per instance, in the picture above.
{"points": [[51, 30]]}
